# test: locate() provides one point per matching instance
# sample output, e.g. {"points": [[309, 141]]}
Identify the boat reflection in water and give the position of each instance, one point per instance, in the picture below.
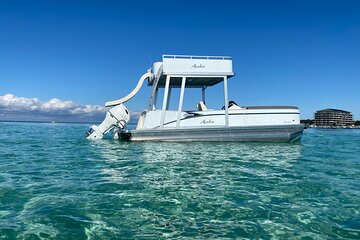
{"points": [[204, 158]]}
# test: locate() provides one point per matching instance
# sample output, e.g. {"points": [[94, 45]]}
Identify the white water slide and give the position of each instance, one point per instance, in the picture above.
{"points": [[133, 92]]}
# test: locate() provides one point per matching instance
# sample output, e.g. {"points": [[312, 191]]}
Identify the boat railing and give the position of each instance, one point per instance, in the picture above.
{"points": [[198, 57]]}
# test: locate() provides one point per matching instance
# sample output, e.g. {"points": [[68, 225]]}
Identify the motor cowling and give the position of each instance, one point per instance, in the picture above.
{"points": [[116, 117]]}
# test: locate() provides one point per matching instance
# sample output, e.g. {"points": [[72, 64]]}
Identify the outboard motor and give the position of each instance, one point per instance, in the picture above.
{"points": [[117, 117]]}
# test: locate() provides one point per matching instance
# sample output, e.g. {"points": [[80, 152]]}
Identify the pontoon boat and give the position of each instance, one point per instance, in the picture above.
{"points": [[232, 123]]}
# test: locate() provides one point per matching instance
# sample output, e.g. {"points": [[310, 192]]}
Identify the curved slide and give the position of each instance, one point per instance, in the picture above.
{"points": [[132, 94]]}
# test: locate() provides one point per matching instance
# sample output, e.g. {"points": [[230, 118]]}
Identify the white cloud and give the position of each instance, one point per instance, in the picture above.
{"points": [[13, 106], [10, 101]]}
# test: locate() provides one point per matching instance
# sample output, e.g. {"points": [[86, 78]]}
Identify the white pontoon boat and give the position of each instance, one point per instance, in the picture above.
{"points": [[232, 123]]}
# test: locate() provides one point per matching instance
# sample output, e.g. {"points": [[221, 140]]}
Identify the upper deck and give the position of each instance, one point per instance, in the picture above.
{"points": [[200, 71]]}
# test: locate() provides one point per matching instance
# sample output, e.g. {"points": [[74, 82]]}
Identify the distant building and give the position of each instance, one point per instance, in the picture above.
{"points": [[333, 118]]}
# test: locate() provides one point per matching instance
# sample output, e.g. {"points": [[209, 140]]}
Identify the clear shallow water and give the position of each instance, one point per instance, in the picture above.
{"points": [[54, 184]]}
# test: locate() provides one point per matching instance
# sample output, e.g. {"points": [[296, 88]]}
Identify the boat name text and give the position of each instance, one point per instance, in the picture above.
{"points": [[197, 66], [206, 121]]}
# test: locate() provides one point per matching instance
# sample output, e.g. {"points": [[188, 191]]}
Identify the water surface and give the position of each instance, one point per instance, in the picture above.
{"points": [[55, 184]]}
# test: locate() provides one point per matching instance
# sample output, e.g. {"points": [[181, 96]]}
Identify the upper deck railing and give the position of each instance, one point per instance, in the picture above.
{"points": [[197, 57]]}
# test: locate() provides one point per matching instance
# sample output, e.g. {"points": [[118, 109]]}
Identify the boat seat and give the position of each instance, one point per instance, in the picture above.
{"points": [[234, 106], [201, 106]]}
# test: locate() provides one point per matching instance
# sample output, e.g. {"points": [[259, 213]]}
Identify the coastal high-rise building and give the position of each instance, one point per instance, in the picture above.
{"points": [[333, 118]]}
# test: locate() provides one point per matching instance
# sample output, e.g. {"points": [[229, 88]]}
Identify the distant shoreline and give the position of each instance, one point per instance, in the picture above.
{"points": [[355, 127], [13, 121], [54, 122], [90, 123]]}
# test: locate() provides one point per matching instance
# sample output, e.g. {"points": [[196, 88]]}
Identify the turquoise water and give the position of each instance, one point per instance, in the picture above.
{"points": [[54, 184]]}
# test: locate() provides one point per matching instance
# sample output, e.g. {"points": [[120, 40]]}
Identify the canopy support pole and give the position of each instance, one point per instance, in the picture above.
{"points": [[182, 90], [203, 94], [165, 101], [226, 99]]}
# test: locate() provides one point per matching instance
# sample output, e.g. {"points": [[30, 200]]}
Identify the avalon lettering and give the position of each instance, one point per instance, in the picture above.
{"points": [[197, 66], [207, 121]]}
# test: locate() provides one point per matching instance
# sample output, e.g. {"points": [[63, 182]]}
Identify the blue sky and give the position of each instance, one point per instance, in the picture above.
{"points": [[302, 53]]}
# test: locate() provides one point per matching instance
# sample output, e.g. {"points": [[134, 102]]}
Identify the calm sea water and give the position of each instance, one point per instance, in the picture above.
{"points": [[54, 184]]}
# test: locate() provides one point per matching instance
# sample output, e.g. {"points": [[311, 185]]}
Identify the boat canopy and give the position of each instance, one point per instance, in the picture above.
{"points": [[200, 71]]}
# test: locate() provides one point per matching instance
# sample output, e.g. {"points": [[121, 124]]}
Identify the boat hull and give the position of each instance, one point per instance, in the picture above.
{"points": [[279, 133]]}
